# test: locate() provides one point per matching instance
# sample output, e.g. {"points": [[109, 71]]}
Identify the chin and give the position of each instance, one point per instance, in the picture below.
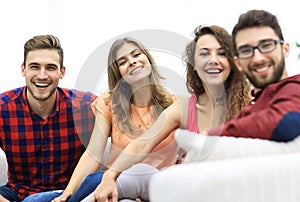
{"points": [[215, 82], [41, 97]]}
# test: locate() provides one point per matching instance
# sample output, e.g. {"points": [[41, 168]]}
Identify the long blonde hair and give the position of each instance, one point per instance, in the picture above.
{"points": [[121, 93]]}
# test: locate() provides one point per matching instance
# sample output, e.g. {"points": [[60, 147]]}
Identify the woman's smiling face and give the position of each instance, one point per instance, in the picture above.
{"points": [[133, 64], [211, 62]]}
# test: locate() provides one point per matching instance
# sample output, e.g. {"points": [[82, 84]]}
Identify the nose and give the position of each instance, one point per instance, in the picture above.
{"points": [[257, 54], [214, 58], [132, 62], [42, 73]]}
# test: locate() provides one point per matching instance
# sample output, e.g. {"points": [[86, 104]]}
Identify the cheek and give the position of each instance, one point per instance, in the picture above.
{"points": [[123, 70], [226, 75], [28, 74], [243, 66], [200, 74], [55, 75], [199, 64], [227, 67], [224, 63], [145, 61]]}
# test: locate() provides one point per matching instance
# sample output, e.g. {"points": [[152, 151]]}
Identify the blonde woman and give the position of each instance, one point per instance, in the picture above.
{"points": [[134, 101]]}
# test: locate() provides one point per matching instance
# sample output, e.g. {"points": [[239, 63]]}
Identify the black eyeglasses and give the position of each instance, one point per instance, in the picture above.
{"points": [[265, 46]]}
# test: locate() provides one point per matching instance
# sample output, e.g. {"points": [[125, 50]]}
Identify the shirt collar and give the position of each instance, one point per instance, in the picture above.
{"points": [[26, 105]]}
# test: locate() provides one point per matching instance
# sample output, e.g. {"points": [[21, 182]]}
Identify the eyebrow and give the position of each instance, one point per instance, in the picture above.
{"points": [[205, 48], [38, 64], [259, 42], [33, 63]]}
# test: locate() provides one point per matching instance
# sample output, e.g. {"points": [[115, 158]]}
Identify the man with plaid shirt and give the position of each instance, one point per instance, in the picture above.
{"points": [[42, 127]]}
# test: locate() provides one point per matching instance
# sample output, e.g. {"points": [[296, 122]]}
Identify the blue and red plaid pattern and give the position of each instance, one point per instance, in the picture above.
{"points": [[42, 154]]}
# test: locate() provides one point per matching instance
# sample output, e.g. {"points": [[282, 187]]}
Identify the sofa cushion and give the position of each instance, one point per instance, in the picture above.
{"points": [[200, 147], [3, 168], [273, 178]]}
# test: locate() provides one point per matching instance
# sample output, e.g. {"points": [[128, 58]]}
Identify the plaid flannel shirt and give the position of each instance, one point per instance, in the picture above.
{"points": [[42, 154]]}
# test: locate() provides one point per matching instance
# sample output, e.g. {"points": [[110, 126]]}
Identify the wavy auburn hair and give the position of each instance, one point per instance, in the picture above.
{"points": [[236, 85]]}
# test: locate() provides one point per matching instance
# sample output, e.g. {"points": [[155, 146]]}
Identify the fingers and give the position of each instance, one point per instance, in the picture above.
{"points": [[62, 198], [97, 197]]}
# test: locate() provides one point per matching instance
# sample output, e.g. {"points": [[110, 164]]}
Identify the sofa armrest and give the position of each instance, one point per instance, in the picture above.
{"points": [[273, 178], [3, 168], [200, 147]]}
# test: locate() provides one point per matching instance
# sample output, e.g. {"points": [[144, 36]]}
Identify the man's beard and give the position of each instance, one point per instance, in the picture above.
{"points": [[276, 76], [41, 98]]}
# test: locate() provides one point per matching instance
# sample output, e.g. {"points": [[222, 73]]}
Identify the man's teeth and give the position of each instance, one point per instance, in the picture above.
{"points": [[42, 84], [261, 69]]}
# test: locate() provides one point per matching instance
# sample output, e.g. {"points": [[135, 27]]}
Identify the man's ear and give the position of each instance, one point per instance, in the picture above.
{"points": [[286, 49], [23, 69], [62, 72], [237, 63]]}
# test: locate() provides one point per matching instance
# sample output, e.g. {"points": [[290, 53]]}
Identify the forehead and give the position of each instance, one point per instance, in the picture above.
{"points": [[126, 49], [42, 56], [207, 41], [253, 35]]}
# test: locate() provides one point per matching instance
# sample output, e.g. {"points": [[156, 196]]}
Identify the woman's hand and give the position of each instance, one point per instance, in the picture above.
{"points": [[63, 197], [107, 190]]}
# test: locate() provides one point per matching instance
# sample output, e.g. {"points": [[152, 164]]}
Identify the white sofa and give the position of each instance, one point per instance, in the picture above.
{"points": [[3, 168], [234, 170]]}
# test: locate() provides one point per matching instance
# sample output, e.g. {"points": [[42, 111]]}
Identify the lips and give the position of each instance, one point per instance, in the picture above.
{"points": [[261, 69], [213, 71], [41, 85], [136, 70]]}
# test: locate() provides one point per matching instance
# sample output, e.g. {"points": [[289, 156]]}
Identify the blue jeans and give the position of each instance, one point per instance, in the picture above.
{"points": [[87, 186], [133, 183], [9, 194], [46, 196]]}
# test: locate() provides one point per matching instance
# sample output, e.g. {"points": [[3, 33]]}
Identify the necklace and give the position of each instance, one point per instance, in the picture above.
{"points": [[141, 117]]}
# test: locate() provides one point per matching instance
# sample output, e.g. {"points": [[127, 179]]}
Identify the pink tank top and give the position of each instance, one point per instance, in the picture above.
{"points": [[192, 115]]}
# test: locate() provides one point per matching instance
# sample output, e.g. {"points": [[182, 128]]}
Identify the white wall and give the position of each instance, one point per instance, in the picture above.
{"points": [[85, 27]]}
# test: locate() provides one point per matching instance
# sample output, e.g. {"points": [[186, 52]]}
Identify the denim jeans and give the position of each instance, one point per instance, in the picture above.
{"points": [[46, 196], [87, 186], [132, 183], [9, 194]]}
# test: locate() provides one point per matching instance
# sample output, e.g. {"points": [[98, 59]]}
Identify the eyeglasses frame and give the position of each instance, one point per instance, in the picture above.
{"points": [[275, 41]]}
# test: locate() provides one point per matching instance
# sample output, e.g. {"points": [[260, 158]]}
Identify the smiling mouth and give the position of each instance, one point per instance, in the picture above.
{"points": [[136, 70], [213, 71], [41, 85], [260, 70]]}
